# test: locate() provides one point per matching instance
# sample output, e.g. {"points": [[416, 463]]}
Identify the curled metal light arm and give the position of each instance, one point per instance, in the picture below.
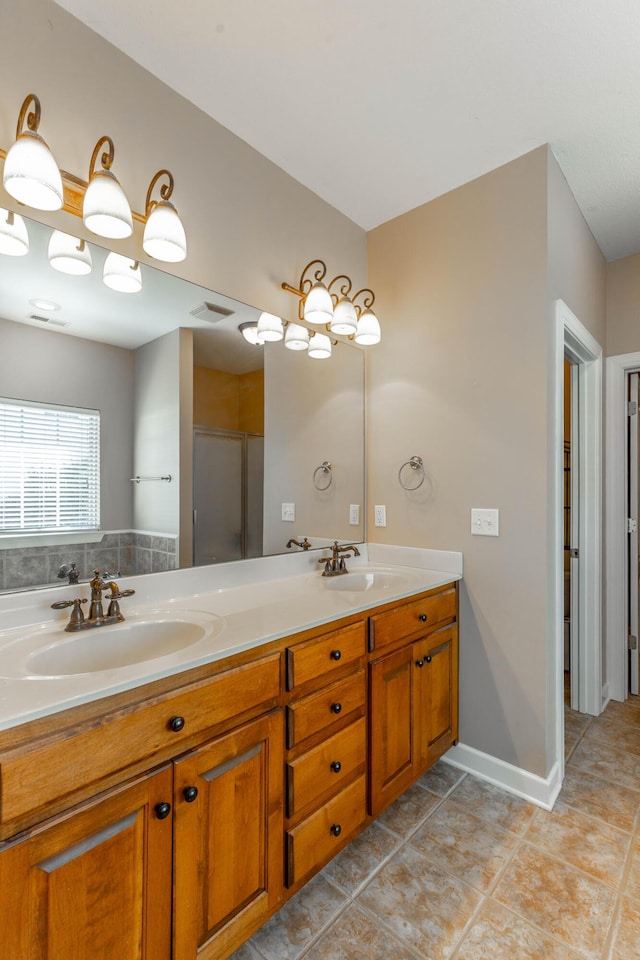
{"points": [[165, 190], [305, 283], [33, 118], [107, 157], [367, 301], [344, 289]]}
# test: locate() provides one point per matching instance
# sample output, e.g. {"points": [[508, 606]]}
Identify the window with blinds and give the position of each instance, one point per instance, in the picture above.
{"points": [[49, 468]]}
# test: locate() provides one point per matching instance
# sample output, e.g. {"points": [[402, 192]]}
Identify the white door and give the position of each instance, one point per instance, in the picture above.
{"points": [[633, 511], [574, 562]]}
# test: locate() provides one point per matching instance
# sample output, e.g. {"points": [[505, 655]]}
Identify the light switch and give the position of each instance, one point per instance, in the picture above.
{"points": [[354, 514], [289, 511], [485, 523]]}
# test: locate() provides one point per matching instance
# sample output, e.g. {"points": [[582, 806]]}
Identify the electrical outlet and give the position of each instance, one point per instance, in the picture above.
{"points": [[354, 514], [289, 511], [485, 523], [380, 515]]}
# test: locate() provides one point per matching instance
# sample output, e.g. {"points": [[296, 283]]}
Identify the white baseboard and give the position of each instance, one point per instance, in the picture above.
{"points": [[539, 790], [605, 695]]}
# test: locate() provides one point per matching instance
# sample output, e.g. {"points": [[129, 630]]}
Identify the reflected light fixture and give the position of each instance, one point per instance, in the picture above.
{"points": [[333, 306], [14, 239], [164, 237], [296, 337], [319, 346], [269, 328], [69, 255], [122, 274], [105, 209], [31, 174], [249, 331]]}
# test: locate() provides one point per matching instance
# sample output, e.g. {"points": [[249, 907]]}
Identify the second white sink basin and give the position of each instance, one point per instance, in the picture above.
{"points": [[361, 581]]}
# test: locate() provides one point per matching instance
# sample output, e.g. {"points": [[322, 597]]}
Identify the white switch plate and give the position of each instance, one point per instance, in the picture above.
{"points": [[380, 515], [354, 514], [485, 523], [288, 511]]}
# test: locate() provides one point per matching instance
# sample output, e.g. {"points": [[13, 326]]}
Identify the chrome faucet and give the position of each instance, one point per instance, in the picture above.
{"points": [[335, 565], [97, 616]]}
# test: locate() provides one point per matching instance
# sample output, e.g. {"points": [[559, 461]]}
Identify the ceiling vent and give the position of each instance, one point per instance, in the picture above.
{"points": [[212, 312], [52, 321]]}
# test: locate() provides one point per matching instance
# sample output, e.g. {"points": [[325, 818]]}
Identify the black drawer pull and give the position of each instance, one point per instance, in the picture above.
{"points": [[428, 658], [176, 724], [336, 707], [419, 663], [422, 617], [190, 794], [336, 766], [336, 829], [336, 654], [163, 810]]}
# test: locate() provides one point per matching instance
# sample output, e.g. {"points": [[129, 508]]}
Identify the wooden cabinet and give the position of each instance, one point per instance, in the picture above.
{"points": [[93, 883]]}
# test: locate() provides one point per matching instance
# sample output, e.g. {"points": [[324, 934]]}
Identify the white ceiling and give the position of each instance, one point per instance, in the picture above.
{"points": [[380, 106]]}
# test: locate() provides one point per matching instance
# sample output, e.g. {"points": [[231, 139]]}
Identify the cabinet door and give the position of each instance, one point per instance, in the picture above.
{"points": [[228, 853], [392, 747], [440, 694], [93, 883]]}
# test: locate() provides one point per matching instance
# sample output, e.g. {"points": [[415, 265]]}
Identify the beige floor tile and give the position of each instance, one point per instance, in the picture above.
{"points": [[361, 858], [498, 934], [625, 944], [632, 885], [286, 935], [610, 802], [459, 843], [424, 907], [605, 762], [355, 936], [246, 952], [441, 778], [494, 805], [581, 840], [574, 722], [563, 901], [621, 736], [627, 712], [408, 811]]}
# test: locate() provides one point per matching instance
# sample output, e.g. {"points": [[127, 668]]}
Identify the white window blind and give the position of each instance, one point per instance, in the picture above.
{"points": [[49, 468]]}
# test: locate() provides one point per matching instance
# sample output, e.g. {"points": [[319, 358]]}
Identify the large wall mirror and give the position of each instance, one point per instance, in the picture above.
{"points": [[263, 444]]}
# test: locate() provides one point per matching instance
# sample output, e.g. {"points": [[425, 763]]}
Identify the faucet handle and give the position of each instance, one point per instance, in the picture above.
{"points": [[77, 616]]}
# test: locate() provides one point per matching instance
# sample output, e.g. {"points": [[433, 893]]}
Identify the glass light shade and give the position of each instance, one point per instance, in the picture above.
{"points": [[164, 237], [345, 319], [368, 331], [319, 347], [249, 331], [105, 209], [318, 305], [31, 174], [14, 239], [69, 255], [122, 274], [296, 337], [269, 327]]}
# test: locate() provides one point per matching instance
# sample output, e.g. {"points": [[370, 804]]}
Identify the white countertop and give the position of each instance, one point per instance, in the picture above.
{"points": [[238, 606]]}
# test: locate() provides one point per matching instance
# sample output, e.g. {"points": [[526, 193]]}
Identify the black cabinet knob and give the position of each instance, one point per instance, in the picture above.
{"points": [[419, 663], [336, 654], [176, 724], [428, 658], [336, 829], [336, 766], [422, 617], [163, 810], [190, 793], [336, 707]]}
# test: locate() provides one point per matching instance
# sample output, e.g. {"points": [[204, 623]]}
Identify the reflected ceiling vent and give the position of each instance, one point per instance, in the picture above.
{"points": [[212, 312], [51, 321]]}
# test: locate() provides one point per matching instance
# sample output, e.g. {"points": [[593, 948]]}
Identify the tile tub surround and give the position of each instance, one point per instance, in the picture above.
{"points": [[456, 869]]}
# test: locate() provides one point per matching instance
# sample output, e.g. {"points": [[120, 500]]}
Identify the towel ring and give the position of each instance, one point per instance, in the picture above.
{"points": [[323, 472], [416, 472]]}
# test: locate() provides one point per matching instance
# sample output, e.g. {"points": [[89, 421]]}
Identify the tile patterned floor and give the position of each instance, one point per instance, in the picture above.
{"points": [[459, 870]]}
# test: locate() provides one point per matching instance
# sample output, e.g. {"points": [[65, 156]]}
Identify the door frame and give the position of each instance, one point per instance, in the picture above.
{"points": [[573, 340], [617, 567]]}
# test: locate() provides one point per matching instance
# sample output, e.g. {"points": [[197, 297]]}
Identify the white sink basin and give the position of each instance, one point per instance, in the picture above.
{"points": [[361, 581]]}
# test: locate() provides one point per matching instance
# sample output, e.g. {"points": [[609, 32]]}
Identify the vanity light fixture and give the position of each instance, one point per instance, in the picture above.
{"points": [[164, 237], [296, 337], [14, 239], [69, 254], [105, 209], [333, 306], [122, 274], [319, 346], [31, 174], [270, 328], [32, 177]]}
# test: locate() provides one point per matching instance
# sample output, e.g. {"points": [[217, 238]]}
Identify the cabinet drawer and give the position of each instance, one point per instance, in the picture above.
{"points": [[322, 710], [324, 655], [418, 616], [323, 771], [44, 770], [325, 832]]}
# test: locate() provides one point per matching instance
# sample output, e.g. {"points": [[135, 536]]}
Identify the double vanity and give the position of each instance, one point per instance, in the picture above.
{"points": [[168, 782]]}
